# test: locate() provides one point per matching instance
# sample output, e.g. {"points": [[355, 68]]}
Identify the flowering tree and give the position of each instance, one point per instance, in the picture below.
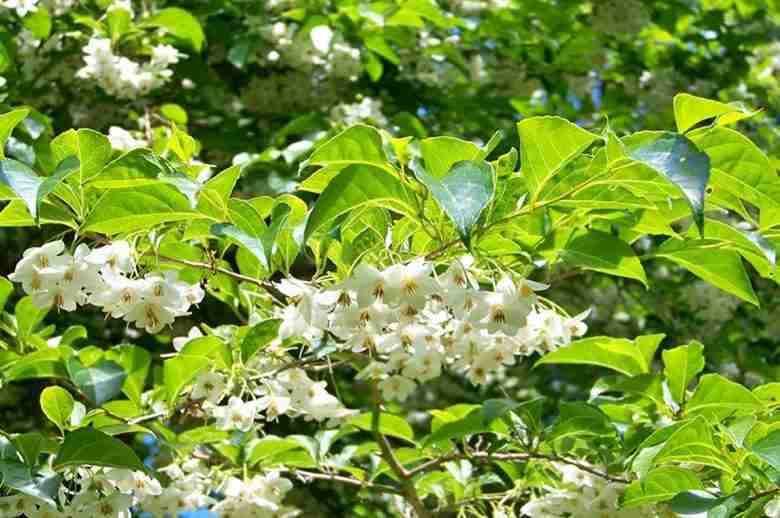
{"points": [[242, 275]]}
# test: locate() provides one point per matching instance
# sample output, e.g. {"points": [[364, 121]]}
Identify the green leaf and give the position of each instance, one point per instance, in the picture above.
{"points": [[28, 317], [265, 449], [46, 363], [181, 24], [717, 398], [136, 362], [6, 288], [605, 253], [8, 121], [91, 447], [693, 443], [440, 154], [262, 246], [91, 148], [140, 208], [57, 404], [16, 475], [258, 337], [768, 448], [676, 158], [179, 371], [389, 424], [547, 145], [648, 344], [618, 354], [100, 382], [681, 365], [23, 181], [581, 419], [356, 187], [660, 485], [722, 268], [689, 110], [355, 145], [462, 193], [30, 445]]}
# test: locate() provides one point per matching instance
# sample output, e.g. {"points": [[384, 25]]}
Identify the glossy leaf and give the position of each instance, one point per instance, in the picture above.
{"points": [[605, 253], [677, 159], [462, 193], [618, 354], [57, 404], [88, 446]]}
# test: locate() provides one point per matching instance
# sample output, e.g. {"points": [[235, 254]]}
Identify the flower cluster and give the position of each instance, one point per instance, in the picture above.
{"points": [[123, 77], [413, 321], [99, 492], [25, 7], [276, 388], [321, 53], [583, 495], [104, 277], [259, 497]]}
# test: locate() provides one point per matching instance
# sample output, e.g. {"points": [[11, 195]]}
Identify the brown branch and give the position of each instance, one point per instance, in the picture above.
{"points": [[407, 484]]}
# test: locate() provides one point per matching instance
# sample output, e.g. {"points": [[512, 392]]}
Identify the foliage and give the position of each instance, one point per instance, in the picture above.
{"points": [[291, 290]]}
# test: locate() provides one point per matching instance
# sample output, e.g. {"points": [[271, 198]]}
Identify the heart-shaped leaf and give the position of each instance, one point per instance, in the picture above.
{"points": [[462, 193]]}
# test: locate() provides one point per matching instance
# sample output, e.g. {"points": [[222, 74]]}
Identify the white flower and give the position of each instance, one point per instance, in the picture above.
{"points": [[123, 140], [409, 283], [22, 7], [34, 260], [369, 284], [134, 482], [507, 309], [321, 37], [397, 388], [209, 386], [165, 55], [236, 415], [772, 508]]}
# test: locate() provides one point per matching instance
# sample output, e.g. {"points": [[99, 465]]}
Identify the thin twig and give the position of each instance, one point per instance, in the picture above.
{"points": [[490, 457], [332, 477]]}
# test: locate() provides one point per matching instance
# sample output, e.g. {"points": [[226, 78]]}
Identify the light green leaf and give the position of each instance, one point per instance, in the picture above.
{"points": [[181, 24], [356, 187], [263, 246], [136, 362], [265, 449], [602, 252], [259, 336], [547, 145], [689, 110], [8, 121], [692, 443], [720, 267], [660, 485], [681, 365], [462, 193], [389, 424], [91, 447], [717, 398], [57, 404], [676, 158], [618, 354], [179, 371], [440, 154], [28, 316], [140, 208], [355, 145]]}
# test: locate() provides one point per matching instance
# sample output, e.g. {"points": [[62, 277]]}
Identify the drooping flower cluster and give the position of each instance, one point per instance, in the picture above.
{"points": [[275, 389], [260, 497], [104, 277], [122, 77], [413, 321], [99, 492], [583, 495]]}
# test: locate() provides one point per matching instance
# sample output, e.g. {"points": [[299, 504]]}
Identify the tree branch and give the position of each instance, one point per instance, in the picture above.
{"points": [[332, 477]]}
